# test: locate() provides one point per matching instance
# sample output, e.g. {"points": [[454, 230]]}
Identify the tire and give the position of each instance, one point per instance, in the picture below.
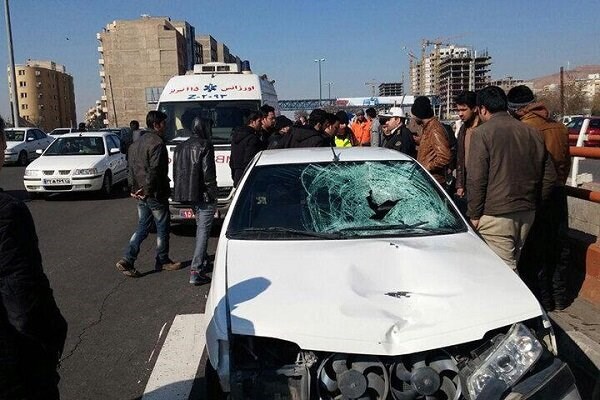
{"points": [[23, 159], [213, 387], [106, 184]]}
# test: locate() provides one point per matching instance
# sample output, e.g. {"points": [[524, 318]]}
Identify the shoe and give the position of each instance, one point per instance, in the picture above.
{"points": [[198, 278], [127, 269], [168, 266]]}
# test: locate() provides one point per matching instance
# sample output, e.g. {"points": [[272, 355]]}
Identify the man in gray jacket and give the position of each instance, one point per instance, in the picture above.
{"points": [[510, 172]]}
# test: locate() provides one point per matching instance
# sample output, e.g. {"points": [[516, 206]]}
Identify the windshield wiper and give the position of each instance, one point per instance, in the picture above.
{"points": [[382, 227], [281, 229]]}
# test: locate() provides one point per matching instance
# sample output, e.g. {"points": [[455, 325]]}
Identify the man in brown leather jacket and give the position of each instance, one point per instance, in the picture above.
{"points": [[510, 172], [545, 256], [434, 151]]}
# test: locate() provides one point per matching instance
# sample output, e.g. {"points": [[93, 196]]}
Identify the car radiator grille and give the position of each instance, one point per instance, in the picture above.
{"points": [[48, 172], [64, 172], [59, 187]]}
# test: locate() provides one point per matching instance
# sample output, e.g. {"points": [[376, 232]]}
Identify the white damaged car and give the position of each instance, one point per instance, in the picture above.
{"points": [[77, 162], [350, 274]]}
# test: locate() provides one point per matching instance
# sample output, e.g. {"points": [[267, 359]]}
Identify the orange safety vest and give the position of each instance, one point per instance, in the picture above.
{"points": [[362, 132]]}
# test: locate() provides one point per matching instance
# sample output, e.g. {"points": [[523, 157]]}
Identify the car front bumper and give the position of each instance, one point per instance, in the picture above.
{"points": [[554, 382], [74, 184], [11, 158]]}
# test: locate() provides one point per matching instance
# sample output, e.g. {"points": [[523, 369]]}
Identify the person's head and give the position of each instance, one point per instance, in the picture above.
{"points": [[187, 119], [371, 113], [491, 100], [394, 118], [283, 124], [134, 125], [466, 105], [316, 119], [81, 127], [360, 116], [332, 124], [254, 120], [421, 110], [2, 142], [518, 98], [302, 120], [157, 121], [268, 121], [202, 127]]}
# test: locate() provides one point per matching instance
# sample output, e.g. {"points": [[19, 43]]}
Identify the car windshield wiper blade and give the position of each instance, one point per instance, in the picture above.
{"points": [[383, 227], [281, 229]]}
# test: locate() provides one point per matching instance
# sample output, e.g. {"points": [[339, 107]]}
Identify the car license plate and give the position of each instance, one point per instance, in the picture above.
{"points": [[57, 181], [186, 213]]}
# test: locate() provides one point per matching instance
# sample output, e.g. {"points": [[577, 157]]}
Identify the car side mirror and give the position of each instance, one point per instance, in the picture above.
{"points": [[39, 151], [114, 150], [30, 139]]}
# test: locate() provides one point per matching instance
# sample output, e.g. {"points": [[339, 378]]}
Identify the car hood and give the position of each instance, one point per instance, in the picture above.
{"points": [[373, 296], [12, 145], [64, 162]]}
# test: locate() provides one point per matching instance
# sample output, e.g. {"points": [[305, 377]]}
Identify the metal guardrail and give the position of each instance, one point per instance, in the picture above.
{"points": [[578, 152]]}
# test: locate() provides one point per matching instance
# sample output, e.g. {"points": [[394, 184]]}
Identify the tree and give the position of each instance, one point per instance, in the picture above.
{"points": [[575, 99], [595, 106]]}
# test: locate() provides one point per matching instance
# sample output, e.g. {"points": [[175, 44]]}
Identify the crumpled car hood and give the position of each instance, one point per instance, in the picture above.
{"points": [[373, 296]]}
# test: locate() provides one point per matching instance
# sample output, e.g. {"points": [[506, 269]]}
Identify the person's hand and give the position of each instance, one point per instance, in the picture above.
{"points": [[139, 194], [460, 192], [475, 223]]}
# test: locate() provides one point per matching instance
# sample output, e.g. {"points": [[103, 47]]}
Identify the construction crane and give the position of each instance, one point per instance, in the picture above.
{"points": [[373, 83]]}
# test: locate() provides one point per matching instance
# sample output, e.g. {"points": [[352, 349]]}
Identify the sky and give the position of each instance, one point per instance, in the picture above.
{"points": [[361, 41]]}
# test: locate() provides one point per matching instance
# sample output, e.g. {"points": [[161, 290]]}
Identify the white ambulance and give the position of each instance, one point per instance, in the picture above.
{"points": [[224, 93]]}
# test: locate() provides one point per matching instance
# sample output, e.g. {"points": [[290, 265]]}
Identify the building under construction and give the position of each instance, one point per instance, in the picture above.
{"points": [[447, 71]]}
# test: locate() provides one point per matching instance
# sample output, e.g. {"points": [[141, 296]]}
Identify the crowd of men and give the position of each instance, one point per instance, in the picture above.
{"points": [[506, 168]]}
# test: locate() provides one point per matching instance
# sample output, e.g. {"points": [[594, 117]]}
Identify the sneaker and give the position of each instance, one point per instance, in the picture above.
{"points": [[127, 269], [198, 278], [169, 266]]}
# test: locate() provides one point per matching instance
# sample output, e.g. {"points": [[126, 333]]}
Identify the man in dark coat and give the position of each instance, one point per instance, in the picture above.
{"points": [[283, 125], [245, 144], [397, 136], [32, 329], [148, 179], [195, 179], [311, 135]]}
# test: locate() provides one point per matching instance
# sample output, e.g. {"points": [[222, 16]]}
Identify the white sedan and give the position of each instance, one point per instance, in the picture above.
{"points": [[22, 144], [87, 161], [350, 274]]}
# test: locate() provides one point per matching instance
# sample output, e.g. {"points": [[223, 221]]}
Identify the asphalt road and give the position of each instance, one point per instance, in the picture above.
{"points": [[114, 321]]}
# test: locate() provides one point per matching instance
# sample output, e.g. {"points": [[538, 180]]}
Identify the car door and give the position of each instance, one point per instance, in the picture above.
{"points": [[116, 161], [31, 143], [41, 141]]}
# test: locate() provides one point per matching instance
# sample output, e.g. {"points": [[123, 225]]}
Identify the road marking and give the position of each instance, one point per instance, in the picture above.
{"points": [[175, 370]]}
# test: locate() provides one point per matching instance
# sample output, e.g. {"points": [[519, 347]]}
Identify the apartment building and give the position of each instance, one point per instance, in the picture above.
{"points": [[45, 94], [390, 89]]}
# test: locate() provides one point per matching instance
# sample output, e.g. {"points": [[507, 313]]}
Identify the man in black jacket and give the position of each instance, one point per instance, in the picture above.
{"points": [[397, 136], [32, 329], [311, 135], [195, 181], [245, 144], [149, 184]]}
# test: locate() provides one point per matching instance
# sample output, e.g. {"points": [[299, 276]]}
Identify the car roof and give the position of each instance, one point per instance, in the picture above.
{"points": [[325, 154], [90, 133]]}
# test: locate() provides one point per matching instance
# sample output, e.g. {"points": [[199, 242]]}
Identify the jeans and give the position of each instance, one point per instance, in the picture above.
{"points": [[149, 209], [205, 213]]}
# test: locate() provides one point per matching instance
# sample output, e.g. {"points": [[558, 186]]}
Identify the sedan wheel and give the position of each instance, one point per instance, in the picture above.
{"points": [[23, 158], [106, 185]]}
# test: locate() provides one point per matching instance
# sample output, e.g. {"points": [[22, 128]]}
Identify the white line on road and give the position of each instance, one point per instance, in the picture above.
{"points": [[175, 370]]}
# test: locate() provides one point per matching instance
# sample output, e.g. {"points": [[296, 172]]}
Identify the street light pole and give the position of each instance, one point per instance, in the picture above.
{"points": [[320, 60], [13, 75], [329, 90]]}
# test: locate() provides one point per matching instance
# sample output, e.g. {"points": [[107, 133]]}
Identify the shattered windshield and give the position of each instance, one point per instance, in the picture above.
{"points": [[342, 200]]}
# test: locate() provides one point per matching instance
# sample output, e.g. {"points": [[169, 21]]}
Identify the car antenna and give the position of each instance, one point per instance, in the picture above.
{"points": [[336, 157]]}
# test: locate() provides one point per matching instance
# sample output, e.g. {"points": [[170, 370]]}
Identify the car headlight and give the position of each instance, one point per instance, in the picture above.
{"points": [[508, 361], [32, 172], [88, 171], [10, 152]]}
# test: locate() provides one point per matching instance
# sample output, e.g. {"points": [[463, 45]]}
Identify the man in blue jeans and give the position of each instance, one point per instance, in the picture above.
{"points": [[195, 179], [149, 184]]}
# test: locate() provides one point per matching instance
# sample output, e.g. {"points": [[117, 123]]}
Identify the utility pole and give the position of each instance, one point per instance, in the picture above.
{"points": [[329, 90], [320, 60], [562, 92], [13, 75]]}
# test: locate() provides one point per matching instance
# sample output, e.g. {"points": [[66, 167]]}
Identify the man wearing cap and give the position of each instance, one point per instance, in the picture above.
{"points": [[545, 256], [361, 129], [434, 151], [396, 135], [282, 127]]}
